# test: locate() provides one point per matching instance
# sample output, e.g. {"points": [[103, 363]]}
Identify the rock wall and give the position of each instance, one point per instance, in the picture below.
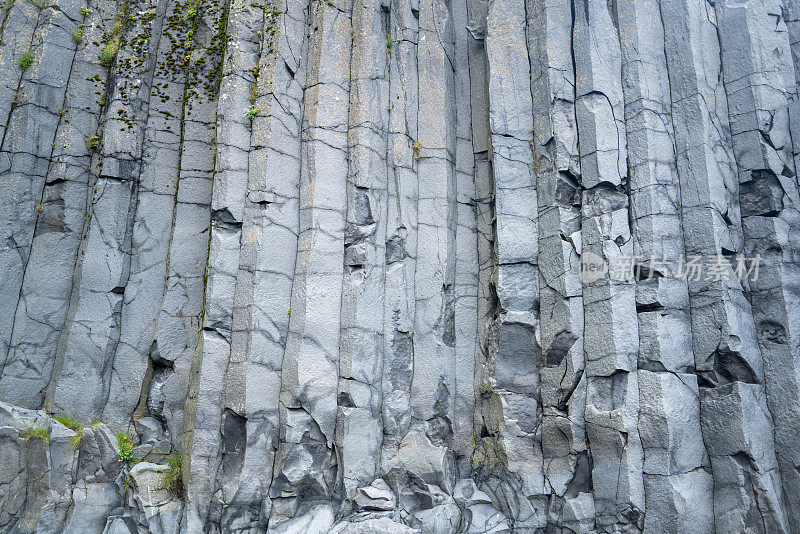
{"points": [[399, 266]]}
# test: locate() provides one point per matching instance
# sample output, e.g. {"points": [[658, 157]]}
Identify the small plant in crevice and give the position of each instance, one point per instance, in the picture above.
{"points": [[86, 11], [109, 54], [173, 477], [92, 142], [67, 421], [76, 440], [417, 147], [191, 13], [36, 432], [125, 444], [25, 60], [252, 113], [77, 36], [187, 44], [126, 481], [389, 42]]}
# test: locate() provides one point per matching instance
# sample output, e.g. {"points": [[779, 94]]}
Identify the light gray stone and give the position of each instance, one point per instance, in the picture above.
{"points": [[162, 509], [381, 525], [333, 255], [484, 519], [376, 496], [318, 520]]}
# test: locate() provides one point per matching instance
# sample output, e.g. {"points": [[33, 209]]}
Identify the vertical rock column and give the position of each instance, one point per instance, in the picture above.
{"points": [[60, 215], [232, 208], [466, 277], [611, 337], [433, 383], [567, 465], [179, 325], [401, 228], [38, 75], [511, 411], [791, 17], [267, 258], [483, 200], [736, 424], [219, 102], [139, 366], [19, 25], [760, 85], [675, 459], [308, 403], [359, 431], [80, 382], [419, 384]]}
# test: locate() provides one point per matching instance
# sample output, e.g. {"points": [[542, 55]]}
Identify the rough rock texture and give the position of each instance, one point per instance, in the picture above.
{"points": [[321, 261]]}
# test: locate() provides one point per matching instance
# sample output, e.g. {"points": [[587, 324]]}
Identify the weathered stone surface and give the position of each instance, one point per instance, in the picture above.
{"points": [[380, 525], [162, 509], [397, 266], [316, 521], [376, 496]]}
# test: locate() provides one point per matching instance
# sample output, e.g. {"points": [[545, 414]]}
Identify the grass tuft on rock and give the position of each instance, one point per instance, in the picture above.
{"points": [[67, 421], [25, 60], [125, 444], [173, 477], [37, 432], [75, 441], [109, 54]]}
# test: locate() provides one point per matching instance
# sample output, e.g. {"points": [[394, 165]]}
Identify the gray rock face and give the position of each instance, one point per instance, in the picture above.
{"points": [[399, 266]]}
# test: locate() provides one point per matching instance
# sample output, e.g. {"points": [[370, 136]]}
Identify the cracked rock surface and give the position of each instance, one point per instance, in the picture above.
{"points": [[319, 266]]}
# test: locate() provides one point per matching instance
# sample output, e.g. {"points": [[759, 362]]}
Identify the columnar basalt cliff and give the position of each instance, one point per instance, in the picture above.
{"points": [[396, 266]]}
